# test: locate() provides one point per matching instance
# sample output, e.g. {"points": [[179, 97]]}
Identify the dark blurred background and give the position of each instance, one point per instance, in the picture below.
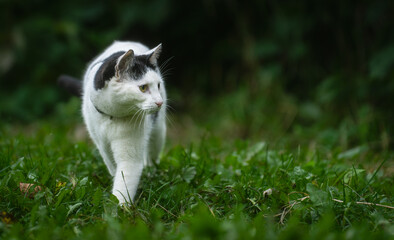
{"points": [[259, 69]]}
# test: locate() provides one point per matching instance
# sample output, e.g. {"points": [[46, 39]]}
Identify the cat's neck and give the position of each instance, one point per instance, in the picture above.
{"points": [[137, 120], [103, 113]]}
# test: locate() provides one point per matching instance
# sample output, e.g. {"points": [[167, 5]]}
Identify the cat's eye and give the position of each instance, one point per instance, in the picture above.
{"points": [[144, 87], [158, 85]]}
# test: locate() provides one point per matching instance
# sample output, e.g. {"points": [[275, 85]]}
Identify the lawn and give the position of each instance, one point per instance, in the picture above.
{"points": [[209, 186]]}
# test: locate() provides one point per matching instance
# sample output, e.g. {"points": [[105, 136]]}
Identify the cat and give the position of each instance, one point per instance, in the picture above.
{"points": [[124, 109]]}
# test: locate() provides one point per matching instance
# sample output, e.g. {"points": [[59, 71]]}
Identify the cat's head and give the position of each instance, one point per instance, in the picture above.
{"points": [[135, 83]]}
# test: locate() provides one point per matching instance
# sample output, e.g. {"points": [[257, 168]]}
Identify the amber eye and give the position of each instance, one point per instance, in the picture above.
{"points": [[144, 87]]}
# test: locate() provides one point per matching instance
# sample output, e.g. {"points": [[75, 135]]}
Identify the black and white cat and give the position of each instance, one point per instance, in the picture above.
{"points": [[124, 108]]}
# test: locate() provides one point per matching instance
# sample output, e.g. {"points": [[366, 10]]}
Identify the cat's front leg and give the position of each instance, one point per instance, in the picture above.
{"points": [[129, 159], [106, 153]]}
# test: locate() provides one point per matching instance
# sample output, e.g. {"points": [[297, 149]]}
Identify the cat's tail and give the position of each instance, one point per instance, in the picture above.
{"points": [[71, 84]]}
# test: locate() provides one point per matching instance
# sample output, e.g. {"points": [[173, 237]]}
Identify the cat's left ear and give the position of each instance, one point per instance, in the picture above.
{"points": [[124, 62], [155, 55]]}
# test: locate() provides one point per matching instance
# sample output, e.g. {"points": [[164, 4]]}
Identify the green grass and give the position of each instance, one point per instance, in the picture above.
{"points": [[212, 188]]}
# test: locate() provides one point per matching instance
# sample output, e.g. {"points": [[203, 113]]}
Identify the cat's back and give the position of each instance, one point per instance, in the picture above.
{"points": [[123, 46]]}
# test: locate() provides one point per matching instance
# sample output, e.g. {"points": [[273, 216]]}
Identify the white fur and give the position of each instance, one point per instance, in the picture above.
{"points": [[131, 138]]}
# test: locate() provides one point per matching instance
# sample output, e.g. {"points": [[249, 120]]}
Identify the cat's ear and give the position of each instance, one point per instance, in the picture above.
{"points": [[155, 54], [124, 62]]}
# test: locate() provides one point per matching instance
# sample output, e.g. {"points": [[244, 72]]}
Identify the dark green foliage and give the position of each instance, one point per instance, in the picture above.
{"points": [[326, 64]]}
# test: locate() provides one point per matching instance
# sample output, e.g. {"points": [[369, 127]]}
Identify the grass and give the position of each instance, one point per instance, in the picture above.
{"points": [[212, 188]]}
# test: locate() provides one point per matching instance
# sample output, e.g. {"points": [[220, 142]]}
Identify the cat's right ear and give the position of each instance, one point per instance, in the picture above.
{"points": [[124, 63], [155, 55]]}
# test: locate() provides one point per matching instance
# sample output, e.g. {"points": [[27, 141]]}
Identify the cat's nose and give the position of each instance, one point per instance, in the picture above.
{"points": [[159, 104]]}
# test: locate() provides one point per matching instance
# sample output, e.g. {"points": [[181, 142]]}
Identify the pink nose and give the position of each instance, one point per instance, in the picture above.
{"points": [[159, 104]]}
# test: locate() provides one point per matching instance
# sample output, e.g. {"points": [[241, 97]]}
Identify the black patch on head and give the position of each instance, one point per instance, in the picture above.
{"points": [[106, 70], [141, 65]]}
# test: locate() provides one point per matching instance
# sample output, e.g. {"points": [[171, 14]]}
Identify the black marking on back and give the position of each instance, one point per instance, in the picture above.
{"points": [[106, 70]]}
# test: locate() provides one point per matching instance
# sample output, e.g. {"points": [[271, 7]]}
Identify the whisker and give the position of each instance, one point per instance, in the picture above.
{"points": [[168, 100], [170, 108], [142, 120], [131, 109], [131, 119], [135, 115], [163, 68], [170, 120], [167, 72], [165, 63]]}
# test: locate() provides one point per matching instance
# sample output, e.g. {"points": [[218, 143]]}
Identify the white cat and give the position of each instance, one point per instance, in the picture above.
{"points": [[124, 107]]}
